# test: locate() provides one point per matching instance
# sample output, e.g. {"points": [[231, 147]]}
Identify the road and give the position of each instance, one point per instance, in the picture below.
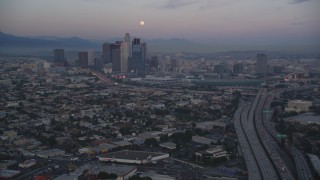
{"points": [[260, 145], [301, 166], [247, 152], [252, 130], [268, 142]]}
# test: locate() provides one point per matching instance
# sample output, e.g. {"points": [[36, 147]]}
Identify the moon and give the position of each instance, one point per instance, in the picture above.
{"points": [[141, 23]]}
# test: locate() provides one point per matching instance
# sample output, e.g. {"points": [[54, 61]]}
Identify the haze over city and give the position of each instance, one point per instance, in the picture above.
{"points": [[232, 24], [159, 89]]}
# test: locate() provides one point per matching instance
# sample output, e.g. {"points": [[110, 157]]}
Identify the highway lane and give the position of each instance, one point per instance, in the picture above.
{"points": [[266, 167], [251, 163], [301, 165], [268, 142]]}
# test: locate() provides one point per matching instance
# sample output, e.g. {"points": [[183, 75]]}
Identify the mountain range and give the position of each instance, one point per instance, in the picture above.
{"points": [[12, 42], [7, 40]]}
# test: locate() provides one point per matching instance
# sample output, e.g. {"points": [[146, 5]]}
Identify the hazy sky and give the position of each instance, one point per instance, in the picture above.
{"points": [[264, 21]]}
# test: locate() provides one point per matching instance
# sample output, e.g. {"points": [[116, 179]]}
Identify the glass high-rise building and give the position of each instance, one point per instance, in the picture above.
{"points": [[237, 68], [139, 56], [91, 55], [106, 53], [262, 64], [125, 53], [83, 59], [58, 57], [116, 56]]}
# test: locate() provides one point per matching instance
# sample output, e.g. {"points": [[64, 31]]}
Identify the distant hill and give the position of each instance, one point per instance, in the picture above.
{"points": [[8, 41], [176, 45], [11, 44], [11, 41]]}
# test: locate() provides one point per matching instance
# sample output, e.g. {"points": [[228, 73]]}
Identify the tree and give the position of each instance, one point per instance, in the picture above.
{"points": [[105, 175], [137, 177], [164, 137], [152, 142], [52, 141], [125, 130], [113, 176]]}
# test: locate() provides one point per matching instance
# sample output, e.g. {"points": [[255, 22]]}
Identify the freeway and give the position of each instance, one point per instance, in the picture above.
{"points": [[301, 165], [268, 141], [250, 160], [259, 147], [267, 169]]}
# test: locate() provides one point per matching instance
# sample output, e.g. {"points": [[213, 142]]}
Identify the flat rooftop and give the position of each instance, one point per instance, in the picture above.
{"points": [[132, 155], [120, 170], [305, 118], [4, 173]]}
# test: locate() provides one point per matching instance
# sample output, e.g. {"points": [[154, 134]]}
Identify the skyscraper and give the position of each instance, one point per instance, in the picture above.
{"points": [[127, 39], [162, 63], [237, 68], [125, 53], [116, 56], [106, 53], [154, 63], [139, 55], [262, 64], [91, 57], [142, 68], [220, 68], [58, 57], [83, 59]]}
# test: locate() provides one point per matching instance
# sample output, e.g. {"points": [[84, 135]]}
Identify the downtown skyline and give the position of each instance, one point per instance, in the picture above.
{"points": [[227, 22]]}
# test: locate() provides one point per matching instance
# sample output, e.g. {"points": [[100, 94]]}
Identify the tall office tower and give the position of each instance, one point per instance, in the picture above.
{"points": [[91, 57], [58, 57], [139, 55], [161, 63], [127, 40], [83, 59], [98, 63], [174, 63], [125, 53], [124, 56], [238, 68], [261, 64], [154, 63], [106, 53], [116, 56], [220, 68], [142, 67]]}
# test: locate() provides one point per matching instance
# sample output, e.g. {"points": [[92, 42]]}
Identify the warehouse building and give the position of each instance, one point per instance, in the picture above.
{"points": [[133, 157]]}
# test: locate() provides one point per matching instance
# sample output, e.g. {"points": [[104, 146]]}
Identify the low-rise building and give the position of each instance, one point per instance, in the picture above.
{"points": [[50, 153], [212, 153], [123, 172], [133, 157], [203, 140], [299, 105], [8, 174], [155, 176], [169, 145], [10, 134], [28, 163]]}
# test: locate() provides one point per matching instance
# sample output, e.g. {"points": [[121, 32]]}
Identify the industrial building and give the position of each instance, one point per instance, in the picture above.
{"points": [[299, 105], [133, 157], [212, 153]]}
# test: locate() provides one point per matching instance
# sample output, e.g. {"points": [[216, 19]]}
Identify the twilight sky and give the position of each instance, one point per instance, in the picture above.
{"points": [[228, 21]]}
